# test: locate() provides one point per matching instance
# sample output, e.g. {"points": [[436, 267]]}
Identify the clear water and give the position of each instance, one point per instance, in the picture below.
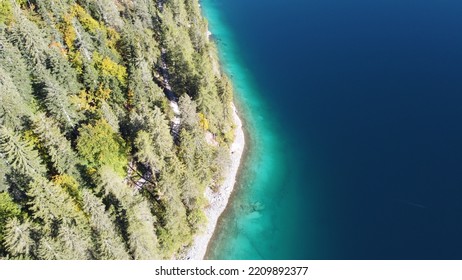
{"points": [[354, 112]]}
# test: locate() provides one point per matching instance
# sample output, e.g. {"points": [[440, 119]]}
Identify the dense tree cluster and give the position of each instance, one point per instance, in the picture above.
{"points": [[114, 119]]}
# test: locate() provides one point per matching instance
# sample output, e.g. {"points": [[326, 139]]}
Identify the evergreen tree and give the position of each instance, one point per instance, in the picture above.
{"points": [[110, 244], [19, 154], [8, 210], [61, 215], [155, 144], [76, 245], [58, 147], [4, 169], [189, 118], [50, 249], [58, 103], [18, 237], [13, 108], [142, 238], [15, 66], [30, 40], [51, 204]]}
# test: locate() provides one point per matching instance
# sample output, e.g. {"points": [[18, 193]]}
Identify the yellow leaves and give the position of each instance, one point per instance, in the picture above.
{"points": [[203, 122], [76, 59], [91, 101], [89, 23], [107, 67], [103, 93], [82, 101], [6, 13], [68, 30], [68, 183], [113, 36], [32, 138]]}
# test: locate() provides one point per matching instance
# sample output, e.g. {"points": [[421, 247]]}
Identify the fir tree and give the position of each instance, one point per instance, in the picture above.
{"points": [[142, 239], [58, 147], [110, 244], [18, 237], [19, 154], [58, 212], [13, 108]]}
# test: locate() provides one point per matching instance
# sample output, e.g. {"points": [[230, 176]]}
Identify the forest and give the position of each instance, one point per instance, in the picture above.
{"points": [[115, 117]]}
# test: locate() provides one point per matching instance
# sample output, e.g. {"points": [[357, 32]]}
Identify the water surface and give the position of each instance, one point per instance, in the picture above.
{"points": [[354, 110]]}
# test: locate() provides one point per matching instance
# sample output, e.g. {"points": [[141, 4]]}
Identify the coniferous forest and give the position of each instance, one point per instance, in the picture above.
{"points": [[114, 119]]}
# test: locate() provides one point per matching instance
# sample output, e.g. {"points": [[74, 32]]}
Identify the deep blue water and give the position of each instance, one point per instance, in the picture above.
{"points": [[366, 97]]}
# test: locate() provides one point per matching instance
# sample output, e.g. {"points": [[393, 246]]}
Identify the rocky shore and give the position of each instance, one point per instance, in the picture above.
{"points": [[218, 200]]}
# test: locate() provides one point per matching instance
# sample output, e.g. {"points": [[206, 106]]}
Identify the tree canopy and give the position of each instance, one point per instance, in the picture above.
{"points": [[105, 111]]}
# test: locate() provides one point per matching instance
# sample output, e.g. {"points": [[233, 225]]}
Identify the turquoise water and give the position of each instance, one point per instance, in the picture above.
{"points": [[259, 223], [353, 110]]}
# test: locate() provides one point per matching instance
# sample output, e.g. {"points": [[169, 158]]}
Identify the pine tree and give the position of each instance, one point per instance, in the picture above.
{"points": [[159, 129], [142, 238], [30, 40], [50, 249], [13, 63], [60, 68], [174, 232], [189, 118], [19, 154], [147, 152], [109, 13], [110, 244], [56, 209], [18, 239], [75, 243], [13, 108], [51, 203], [58, 147], [8, 210], [4, 169], [58, 103]]}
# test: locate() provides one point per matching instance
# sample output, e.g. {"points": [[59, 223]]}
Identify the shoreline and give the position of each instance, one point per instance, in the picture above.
{"points": [[218, 201]]}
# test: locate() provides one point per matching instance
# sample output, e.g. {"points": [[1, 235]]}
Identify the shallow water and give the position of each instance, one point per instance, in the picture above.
{"points": [[354, 112]]}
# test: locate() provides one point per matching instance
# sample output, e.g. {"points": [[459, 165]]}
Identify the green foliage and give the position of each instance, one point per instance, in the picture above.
{"points": [[15, 67], [189, 117], [58, 103], [31, 41], [100, 145], [155, 144], [5, 12], [8, 210], [142, 239], [19, 154], [51, 203], [58, 147], [98, 161], [55, 209], [4, 169], [108, 68], [13, 107], [110, 244], [18, 237]]}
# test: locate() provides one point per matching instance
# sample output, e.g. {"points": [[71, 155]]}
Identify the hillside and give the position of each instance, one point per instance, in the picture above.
{"points": [[114, 120]]}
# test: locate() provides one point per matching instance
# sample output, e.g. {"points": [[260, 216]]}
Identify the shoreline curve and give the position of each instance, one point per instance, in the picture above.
{"points": [[218, 200]]}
